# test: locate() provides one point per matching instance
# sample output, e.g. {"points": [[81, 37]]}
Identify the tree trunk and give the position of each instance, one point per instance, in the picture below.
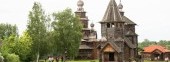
{"points": [[38, 55]]}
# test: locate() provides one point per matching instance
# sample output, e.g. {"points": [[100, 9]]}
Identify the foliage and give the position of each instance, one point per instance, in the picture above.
{"points": [[9, 44], [14, 44], [37, 30], [12, 58], [7, 29], [1, 58], [147, 42], [23, 46], [67, 30]]}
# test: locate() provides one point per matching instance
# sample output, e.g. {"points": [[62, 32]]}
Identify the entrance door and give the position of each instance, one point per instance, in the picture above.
{"points": [[111, 56]]}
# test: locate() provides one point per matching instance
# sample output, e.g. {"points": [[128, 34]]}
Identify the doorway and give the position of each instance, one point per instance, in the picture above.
{"points": [[111, 56]]}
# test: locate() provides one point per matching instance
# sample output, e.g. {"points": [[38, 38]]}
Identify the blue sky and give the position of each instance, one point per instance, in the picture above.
{"points": [[152, 16]]}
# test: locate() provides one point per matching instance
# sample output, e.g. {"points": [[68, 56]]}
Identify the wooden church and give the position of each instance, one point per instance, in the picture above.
{"points": [[119, 31], [119, 40]]}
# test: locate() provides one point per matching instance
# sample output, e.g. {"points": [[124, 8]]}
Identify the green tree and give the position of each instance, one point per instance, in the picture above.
{"points": [[67, 30], [145, 43], [7, 29], [8, 44], [23, 46], [37, 30], [163, 42], [12, 58]]}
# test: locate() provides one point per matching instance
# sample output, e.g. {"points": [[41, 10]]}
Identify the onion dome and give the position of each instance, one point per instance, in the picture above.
{"points": [[120, 6], [80, 3], [92, 24]]}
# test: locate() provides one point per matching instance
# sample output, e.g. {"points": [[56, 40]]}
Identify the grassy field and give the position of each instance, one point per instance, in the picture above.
{"points": [[153, 61], [95, 61], [84, 61], [75, 61]]}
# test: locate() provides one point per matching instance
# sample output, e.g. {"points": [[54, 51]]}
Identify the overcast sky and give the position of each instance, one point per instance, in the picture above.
{"points": [[152, 16]]}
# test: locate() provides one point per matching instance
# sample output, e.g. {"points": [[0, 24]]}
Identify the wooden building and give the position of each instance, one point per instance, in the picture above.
{"points": [[119, 40], [119, 31], [155, 52], [87, 49]]}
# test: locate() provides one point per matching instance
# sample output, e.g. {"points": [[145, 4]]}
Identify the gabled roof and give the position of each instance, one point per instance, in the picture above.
{"points": [[152, 48], [112, 13], [128, 42], [128, 21], [114, 46]]}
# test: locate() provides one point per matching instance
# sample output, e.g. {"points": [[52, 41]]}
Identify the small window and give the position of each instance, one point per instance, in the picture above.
{"points": [[108, 25], [113, 25]]}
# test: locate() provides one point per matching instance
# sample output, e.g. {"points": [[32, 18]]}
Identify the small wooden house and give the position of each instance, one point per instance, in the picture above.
{"points": [[155, 52]]}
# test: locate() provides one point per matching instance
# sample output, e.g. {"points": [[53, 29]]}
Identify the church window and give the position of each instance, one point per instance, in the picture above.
{"points": [[108, 25], [113, 25]]}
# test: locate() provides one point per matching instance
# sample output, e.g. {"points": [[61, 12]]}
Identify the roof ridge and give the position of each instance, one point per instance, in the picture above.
{"points": [[112, 13]]}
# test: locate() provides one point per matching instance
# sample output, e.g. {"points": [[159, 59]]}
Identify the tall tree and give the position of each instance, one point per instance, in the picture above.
{"points": [[37, 30], [67, 30]]}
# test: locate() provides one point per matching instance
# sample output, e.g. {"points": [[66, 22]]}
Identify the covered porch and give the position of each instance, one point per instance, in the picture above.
{"points": [[157, 55], [109, 53]]}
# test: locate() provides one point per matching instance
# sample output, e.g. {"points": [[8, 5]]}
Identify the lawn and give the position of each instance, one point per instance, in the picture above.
{"points": [[75, 61], [94, 61], [153, 61], [84, 61]]}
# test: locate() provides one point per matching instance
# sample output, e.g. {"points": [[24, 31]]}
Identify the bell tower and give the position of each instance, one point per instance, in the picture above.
{"points": [[82, 14], [84, 19]]}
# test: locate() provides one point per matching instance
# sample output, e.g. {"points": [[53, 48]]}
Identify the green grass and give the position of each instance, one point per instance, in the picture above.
{"points": [[95, 61], [75, 61], [84, 61], [153, 61]]}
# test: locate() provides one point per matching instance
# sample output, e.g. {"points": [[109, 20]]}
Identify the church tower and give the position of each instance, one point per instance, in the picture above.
{"points": [[121, 44], [112, 27], [84, 19], [129, 31], [87, 48], [82, 14]]}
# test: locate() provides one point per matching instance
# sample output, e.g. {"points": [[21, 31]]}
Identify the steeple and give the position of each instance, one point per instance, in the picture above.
{"points": [[120, 6], [112, 13], [82, 14], [111, 20]]}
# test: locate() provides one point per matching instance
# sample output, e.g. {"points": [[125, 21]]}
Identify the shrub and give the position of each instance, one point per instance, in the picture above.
{"points": [[93, 61], [12, 58], [1, 58]]}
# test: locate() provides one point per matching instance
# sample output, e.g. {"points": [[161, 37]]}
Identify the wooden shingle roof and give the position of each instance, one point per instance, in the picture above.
{"points": [[114, 46], [112, 13], [128, 21]]}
